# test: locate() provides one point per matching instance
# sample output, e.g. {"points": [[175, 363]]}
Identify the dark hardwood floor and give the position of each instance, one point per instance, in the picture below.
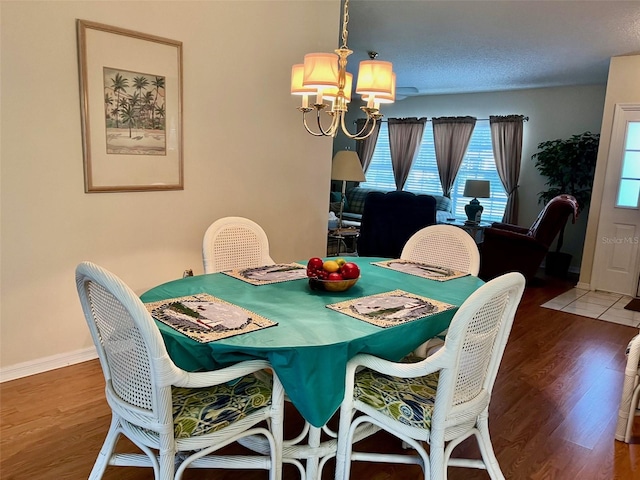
{"points": [[553, 412]]}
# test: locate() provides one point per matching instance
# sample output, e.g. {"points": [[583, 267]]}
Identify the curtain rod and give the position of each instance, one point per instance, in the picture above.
{"points": [[526, 119]]}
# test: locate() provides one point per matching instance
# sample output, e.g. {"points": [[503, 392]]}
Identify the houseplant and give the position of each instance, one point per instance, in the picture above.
{"points": [[569, 166]]}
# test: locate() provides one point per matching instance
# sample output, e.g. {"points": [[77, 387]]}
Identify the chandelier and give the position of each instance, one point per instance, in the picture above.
{"points": [[325, 76]]}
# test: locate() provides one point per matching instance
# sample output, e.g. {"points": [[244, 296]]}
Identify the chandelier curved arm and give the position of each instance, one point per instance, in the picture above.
{"points": [[304, 122], [360, 135], [321, 132]]}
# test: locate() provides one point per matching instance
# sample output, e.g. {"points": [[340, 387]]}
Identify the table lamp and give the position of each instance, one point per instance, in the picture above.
{"points": [[346, 167], [476, 189]]}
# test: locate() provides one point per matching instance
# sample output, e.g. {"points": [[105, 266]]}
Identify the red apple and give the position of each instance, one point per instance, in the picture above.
{"points": [[350, 270], [314, 267], [335, 276], [315, 263]]}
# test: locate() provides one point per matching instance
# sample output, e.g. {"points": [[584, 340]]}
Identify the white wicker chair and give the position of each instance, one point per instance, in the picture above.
{"points": [[178, 419], [234, 242], [630, 401], [445, 246], [441, 400]]}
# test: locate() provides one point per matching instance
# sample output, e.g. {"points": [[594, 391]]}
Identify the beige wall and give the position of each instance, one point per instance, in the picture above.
{"points": [[245, 154], [623, 86], [553, 113]]}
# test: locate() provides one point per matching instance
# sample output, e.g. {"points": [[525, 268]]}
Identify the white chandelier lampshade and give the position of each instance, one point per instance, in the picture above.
{"points": [[297, 73], [320, 70], [381, 97], [297, 88], [374, 77], [325, 76], [332, 92]]}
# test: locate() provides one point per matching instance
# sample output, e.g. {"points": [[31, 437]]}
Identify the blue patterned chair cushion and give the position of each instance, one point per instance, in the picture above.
{"points": [[198, 411], [407, 400]]}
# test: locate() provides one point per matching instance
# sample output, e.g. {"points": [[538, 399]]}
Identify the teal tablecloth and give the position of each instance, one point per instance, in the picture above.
{"points": [[311, 345]]}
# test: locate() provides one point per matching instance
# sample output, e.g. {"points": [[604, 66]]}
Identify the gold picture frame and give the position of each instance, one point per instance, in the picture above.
{"points": [[131, 109]]}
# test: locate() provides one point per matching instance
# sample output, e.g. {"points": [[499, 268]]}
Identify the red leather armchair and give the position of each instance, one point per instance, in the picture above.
{"points": [[511, 248]]}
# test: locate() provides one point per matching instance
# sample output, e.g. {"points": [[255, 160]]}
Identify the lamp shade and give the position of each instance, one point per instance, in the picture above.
{"points": [[320, 70], [477, 189], [348, 85], [346, 166], [375, 77], [384, 97], [297, 73]]}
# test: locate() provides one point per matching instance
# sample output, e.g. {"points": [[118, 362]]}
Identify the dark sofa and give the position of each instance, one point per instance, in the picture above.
{"points": [[390, 219], [355, 197]]}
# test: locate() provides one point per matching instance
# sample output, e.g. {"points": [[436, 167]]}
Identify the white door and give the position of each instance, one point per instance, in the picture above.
{"points": [[617, 259]]}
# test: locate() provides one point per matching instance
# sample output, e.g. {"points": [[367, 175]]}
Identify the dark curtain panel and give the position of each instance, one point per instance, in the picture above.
{"points": [[365, 148], [451, 137], [405, 137], [506, 137]]}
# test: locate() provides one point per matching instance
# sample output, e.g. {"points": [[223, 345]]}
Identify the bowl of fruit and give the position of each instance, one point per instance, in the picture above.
{"points": [[332, 275]]}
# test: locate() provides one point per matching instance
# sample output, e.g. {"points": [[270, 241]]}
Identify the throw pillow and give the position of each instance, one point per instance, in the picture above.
{"points": [[334, 207], [335, 197]]}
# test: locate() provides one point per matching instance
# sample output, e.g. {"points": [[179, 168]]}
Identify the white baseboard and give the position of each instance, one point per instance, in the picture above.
{"points": [[47, 363], [583, 286]]}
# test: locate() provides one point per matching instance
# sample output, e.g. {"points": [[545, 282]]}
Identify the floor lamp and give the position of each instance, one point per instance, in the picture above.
{"points": [[346, 167]]}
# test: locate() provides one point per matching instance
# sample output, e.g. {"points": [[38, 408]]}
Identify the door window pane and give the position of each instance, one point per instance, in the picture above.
{"points": [[628, 194], [631, 165], [633, 136], [629, 187]]}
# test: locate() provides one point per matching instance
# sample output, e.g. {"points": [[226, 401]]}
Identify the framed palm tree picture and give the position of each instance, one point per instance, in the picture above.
{"points": [[131, 109]]}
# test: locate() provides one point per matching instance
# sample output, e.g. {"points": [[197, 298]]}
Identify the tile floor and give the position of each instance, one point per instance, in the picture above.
{"points": [[601, 305]]}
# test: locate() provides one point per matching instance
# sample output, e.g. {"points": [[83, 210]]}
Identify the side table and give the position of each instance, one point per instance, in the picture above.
{"points": [[342, 241], [475, 230]]}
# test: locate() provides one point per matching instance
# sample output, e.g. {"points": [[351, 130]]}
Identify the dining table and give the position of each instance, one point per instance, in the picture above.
{"points": [[310, 343]]}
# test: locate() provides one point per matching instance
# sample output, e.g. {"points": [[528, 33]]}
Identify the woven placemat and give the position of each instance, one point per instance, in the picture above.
{"points": [[204, 318], [423, 270], [390, 308], [281, 272]]}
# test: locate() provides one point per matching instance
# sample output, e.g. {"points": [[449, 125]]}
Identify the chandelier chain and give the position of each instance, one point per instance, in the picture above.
{"points": [[345, 22]]}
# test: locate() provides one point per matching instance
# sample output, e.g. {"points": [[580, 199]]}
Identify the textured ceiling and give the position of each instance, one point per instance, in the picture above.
{"points": [[454, 46]]}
